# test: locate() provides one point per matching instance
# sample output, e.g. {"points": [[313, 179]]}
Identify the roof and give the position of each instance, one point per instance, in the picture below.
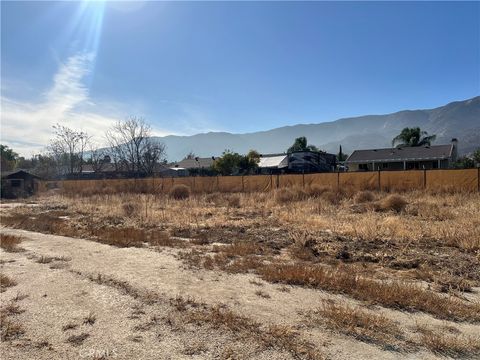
{"points": [[6, 174], [273, 161], [414, 153], [195, 163]]}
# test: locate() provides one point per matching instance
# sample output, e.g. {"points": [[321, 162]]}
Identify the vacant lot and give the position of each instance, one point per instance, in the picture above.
{"points": [[296, 273]]}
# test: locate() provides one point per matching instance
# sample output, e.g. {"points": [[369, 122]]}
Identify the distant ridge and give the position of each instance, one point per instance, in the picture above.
{"points": [[459, 119]]}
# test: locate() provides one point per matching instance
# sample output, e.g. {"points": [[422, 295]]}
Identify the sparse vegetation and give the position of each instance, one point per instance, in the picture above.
{"points": [[6, 282], [180, 192], [10, 242], [77, 340], [410, 251], [363, 325], [451, 345]]}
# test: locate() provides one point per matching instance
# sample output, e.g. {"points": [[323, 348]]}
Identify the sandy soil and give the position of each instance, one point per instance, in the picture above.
{"points": [[60, 293]]}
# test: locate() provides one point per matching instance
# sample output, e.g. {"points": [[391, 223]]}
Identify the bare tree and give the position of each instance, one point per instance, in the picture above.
{"points": [[97, 158], [154, 154], [132, 148], [68, 147]]}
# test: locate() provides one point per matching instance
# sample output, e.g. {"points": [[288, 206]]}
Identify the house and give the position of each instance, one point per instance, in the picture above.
{"points": [[404, 158], [297, 162], [18, 183], [311, 162], [194, 166]]}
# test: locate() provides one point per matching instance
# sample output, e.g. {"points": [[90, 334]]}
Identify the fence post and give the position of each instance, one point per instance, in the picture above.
{"points": [[303, 180], [278, 181], [243, 185], [478, 179], [424, 178], [379, 184], [338, 180]]}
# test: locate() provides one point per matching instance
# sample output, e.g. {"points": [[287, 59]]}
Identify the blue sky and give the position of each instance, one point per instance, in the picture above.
{"points": [[218, 66]]}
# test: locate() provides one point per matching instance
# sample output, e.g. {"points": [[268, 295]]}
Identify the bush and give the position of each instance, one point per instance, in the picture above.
{"points": [[180, 192], [233, 201], [363, 197], [391, 202], [130, 209]]}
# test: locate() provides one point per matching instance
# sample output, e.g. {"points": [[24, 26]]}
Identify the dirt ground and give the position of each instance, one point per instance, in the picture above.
{"points": [[76, 298]]}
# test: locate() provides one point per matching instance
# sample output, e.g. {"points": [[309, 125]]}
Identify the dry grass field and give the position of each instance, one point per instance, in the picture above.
{"points": [[296, 273]]}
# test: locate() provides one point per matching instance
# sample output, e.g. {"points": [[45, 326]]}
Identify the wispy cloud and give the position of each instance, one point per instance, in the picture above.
{"points": [[27, 126]]}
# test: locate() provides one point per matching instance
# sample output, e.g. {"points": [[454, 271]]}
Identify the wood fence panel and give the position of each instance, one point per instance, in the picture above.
{"points": [[290, 181], [359, 180], [457, 180], [326, 179], [230, 184], [257, 183], [402, 180]]}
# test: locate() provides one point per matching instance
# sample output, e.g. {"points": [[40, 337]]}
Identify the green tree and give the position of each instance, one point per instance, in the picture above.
{"points": [[464, 163], [300, 144], [249, 163], [413, 137], [8, 158], [233, 163], [228, 163]]}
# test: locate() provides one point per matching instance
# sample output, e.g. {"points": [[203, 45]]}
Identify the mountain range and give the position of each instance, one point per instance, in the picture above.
{"points": [[459, 119]]}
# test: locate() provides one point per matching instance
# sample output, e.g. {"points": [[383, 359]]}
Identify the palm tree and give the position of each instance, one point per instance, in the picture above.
{"points": [[413, 137], [300, 144]]}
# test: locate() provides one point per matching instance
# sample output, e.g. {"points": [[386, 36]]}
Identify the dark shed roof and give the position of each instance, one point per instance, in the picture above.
{"points": [[16, 173], [416, 153]]}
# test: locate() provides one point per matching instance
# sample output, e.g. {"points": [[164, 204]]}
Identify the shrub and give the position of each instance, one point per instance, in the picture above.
{"points": [[180, 192], [10, 242], [391, 202], [364, 196], [130, 209], [5, 282], [233, 201]]}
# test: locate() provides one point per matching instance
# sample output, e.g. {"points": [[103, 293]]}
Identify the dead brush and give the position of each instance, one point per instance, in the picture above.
{"points": [[451, 345], [6, 282], [363, 197], [10, 330], [288, 195], [131, 209], [304, 246], [77, 340], [273, 336], [90, 319], [394, 203], [10, 243], [163, 238], [316, 190], [360, 324], [240, 248], [393, 294], [180, 192]]}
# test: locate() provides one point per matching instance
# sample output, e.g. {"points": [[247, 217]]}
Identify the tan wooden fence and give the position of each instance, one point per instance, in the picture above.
{"points": [[454, 180]]}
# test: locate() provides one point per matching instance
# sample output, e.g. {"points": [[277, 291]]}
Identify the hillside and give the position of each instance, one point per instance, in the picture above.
{"points": [[460, 119]]}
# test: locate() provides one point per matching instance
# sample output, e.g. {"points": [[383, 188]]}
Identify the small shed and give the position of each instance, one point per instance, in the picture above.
{"points": [[18, 183]]}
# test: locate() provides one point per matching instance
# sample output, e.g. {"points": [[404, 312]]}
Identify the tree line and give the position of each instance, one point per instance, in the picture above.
{"points": [[131, 149]]}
